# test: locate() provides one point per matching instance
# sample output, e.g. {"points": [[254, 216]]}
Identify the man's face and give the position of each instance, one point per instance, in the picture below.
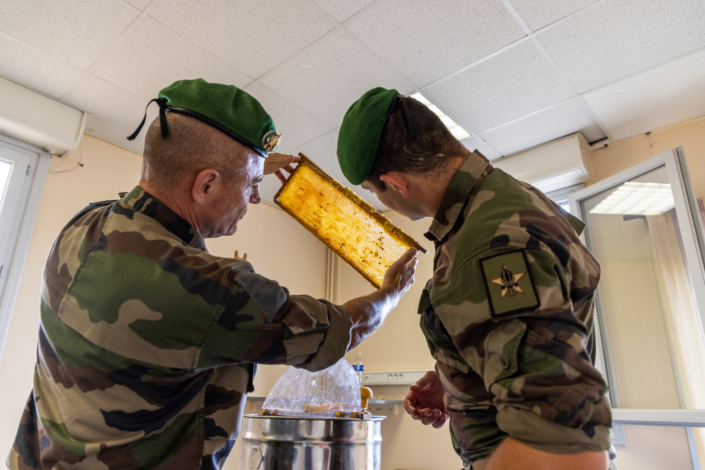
{"points": [[395, 200], [230, 199]]}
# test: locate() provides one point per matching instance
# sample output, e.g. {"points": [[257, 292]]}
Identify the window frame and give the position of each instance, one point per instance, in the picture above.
{"points": [[18, 212]]}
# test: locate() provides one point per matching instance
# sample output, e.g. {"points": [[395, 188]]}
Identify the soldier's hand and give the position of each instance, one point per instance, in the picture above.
{"points": [[276, 162], [424, 402], [400, 275]]}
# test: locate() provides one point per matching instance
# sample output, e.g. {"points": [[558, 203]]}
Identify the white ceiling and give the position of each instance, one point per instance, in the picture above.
{"points": [[514, 73]]}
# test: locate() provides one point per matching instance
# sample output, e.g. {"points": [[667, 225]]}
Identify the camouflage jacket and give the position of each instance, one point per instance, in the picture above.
{"points": [[508, 316], [147, 343]]}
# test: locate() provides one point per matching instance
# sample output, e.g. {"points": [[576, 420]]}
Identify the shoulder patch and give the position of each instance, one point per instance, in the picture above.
{"points": [[510, 288]]}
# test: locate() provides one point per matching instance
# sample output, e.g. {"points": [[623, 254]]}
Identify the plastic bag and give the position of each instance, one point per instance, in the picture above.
{"points": [[300, 392]]}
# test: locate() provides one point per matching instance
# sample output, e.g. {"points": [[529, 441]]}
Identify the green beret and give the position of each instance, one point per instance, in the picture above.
{"points": [[360, 132], [225, 107]]}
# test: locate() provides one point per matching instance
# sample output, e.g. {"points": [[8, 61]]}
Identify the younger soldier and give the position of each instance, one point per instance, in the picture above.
{"points": [[148, 343], [508, 313]]}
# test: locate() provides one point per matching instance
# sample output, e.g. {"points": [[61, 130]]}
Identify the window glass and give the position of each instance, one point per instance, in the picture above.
{"points": [[648, 304]]}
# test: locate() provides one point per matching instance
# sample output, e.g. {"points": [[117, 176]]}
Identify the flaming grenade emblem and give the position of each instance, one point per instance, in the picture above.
{"points": [[509, 282], [270, 141]]}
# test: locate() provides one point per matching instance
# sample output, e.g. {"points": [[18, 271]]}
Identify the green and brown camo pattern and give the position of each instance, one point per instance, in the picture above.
{"points": [[147, 344], [528, 375]]}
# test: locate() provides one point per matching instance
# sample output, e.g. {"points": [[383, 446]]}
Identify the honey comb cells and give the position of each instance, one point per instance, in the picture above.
{"points": [[348, 225]]}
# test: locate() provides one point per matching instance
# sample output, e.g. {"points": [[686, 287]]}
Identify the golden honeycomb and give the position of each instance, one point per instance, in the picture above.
{"points": [[348, 225]]}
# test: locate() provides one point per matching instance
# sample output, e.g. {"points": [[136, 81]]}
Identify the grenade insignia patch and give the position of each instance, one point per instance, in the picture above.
{"points": [[510, 289]]}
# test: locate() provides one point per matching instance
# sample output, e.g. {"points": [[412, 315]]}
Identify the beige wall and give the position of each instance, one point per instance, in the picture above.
{"points": [[276, 245], [622, 155]]}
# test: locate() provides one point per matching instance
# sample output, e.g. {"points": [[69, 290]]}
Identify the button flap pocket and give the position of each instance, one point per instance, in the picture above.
{"points": [[501, 350]]}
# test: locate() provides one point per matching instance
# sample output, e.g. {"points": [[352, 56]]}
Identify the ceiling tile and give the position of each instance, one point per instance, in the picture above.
{"points": [[540, 14], [75, 31], [559, 121], [322, 151], [251, 35], [294, 124], [342, 10], [620, 38], [114, 112], [428, 39], [330, 75], [506, 87], [152, 57], [476, 143], [139, 4], [35, 69], [662, 96]]}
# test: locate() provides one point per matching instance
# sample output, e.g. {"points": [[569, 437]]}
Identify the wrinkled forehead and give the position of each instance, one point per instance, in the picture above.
{"points": [[252, 162]]}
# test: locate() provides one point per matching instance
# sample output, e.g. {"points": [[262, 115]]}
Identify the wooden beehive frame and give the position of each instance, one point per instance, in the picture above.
{"points": [[391, 229]]}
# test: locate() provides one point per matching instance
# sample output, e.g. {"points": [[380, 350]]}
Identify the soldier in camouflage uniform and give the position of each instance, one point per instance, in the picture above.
{"points": [[148, 343], [508, 313]]}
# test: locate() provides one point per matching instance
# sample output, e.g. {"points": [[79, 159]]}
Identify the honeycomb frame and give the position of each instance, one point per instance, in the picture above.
{"points": [[377, 217]]}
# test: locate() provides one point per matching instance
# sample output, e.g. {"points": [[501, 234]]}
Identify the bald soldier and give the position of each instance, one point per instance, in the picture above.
{"points": [[147, 343], [508, 313]]}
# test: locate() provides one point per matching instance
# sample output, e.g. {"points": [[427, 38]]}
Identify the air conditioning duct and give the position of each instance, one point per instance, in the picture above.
{"points": [[36, 119], [552, 166]]}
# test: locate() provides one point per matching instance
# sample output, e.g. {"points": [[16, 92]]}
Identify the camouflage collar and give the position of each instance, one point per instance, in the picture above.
{"points": [[455, 196], [141, 201]]}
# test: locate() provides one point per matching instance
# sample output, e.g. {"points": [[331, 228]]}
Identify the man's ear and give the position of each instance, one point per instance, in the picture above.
{"points": [[203, 185], [397, 181]]}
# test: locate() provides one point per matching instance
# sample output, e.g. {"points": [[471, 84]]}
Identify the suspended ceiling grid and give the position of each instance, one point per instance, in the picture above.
{"points": [[514, 73]]}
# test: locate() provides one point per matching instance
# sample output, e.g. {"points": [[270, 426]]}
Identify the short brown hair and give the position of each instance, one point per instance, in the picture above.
{"points": [[190, 147], [427, 152]]}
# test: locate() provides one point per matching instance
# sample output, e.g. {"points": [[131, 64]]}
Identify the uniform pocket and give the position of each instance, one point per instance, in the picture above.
{"points": [[501, 351], [558, 377]]}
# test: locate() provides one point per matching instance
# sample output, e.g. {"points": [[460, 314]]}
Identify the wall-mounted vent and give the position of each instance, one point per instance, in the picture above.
{"points": [[552, 166], [36, 119]]}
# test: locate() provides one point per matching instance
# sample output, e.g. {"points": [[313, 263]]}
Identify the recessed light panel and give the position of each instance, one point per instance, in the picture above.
{"points": [[633, 198]]}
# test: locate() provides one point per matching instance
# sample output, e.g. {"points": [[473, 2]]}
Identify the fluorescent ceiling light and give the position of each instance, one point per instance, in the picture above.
{"points": [[455, 129], [633, 198]]}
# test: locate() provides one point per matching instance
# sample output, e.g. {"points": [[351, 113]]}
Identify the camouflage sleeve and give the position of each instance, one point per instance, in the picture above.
{"points": [[513, 319], [261, 323]]}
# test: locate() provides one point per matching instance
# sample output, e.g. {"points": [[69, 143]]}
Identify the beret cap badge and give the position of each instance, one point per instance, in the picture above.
{"points": [[270, 141]]}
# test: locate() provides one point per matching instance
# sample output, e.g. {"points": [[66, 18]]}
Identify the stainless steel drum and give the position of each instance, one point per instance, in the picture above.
{"points": [[307, 443]]}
